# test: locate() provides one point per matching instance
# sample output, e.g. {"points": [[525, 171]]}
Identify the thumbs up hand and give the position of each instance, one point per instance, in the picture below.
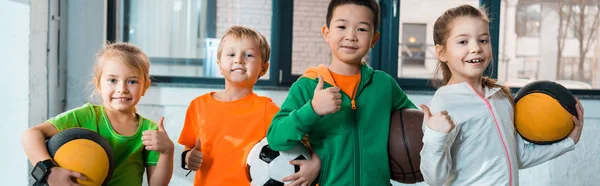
{"points": [[440, 122], [193, 159], [326, 101], [158, 140]]}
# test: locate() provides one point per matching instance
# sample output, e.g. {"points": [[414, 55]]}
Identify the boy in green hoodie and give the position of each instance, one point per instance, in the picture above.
{"points": [[344, 108]]}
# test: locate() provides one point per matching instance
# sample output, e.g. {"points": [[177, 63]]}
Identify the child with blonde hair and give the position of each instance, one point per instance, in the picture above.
{"points": [[221, 127], [121, 78]]}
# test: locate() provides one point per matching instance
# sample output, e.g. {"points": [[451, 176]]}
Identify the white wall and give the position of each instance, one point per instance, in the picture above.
{"points": [[578, 167], [14, 72], [85, 29], [24, 71]]}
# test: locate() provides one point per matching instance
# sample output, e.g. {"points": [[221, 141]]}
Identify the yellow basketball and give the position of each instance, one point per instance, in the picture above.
{"points": [[544, 112], [85, 151]]}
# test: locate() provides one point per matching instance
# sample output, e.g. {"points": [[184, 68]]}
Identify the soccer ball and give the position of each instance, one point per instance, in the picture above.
{"points": [[267, 167]]}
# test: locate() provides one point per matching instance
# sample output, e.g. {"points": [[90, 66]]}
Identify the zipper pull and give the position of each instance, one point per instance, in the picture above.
{"points": [[353, 104]]}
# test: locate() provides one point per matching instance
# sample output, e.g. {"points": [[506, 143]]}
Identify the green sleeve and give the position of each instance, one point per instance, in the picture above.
{"points": [[150, 156], [295, 118], [400, 100], [77, 117]]}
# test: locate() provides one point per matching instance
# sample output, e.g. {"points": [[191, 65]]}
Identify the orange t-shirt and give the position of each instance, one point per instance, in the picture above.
{"points": [[227, 131], [347, 83]]}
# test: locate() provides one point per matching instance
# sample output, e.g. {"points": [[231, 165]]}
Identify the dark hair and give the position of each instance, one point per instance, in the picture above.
{"points": [[441, 31], [371, 4]]}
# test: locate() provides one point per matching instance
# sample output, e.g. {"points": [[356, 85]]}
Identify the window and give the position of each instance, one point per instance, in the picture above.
{"points": [[570, 59], [528, 20], [414, 50], [181, 37]]}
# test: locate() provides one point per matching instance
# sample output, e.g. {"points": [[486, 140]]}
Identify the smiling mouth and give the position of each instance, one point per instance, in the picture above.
{"points": [[238, 70], [122, 99], [350, 47], [474, 61]]}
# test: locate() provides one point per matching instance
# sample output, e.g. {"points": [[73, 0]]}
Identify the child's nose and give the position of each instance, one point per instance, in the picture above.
{"points": [[351, 37], [475, 48], [238, 60], [122, 88]]}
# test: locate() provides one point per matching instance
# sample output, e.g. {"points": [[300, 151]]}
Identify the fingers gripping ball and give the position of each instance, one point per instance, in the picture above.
{"points": [[544, 112], [267, 167], [405, 144], [85, 151]]}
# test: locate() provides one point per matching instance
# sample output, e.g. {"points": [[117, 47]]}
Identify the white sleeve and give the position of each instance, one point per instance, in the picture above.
{"points": [[436, 160], [531, 154]]}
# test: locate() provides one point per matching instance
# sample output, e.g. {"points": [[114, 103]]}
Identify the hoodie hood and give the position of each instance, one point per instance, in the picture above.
{"points": [[465, 89], [366, 72]]}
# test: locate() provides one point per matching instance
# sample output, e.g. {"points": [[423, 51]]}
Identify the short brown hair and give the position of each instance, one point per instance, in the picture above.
{"points": [[243, 32]]}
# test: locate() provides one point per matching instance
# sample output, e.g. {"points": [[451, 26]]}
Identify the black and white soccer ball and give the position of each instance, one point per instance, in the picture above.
{"points": [[267, 167]]}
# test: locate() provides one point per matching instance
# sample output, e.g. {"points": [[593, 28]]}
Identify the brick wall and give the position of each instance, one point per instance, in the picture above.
{"points": [[252, 13], [309, 47]]}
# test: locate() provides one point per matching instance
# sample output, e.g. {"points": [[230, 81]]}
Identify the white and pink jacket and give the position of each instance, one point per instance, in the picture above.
{"points": [[484, 148]]}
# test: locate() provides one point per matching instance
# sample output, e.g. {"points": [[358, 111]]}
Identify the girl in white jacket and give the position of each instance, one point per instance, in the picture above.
{"points": [[470, 139]]}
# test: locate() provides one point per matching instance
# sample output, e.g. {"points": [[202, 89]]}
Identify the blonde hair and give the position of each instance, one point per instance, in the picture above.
{"points": [[441, 32], [130, 55], [242, 32]]}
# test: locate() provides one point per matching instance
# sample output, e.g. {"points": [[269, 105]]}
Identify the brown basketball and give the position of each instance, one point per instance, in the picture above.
{"points": [[405, 144]]}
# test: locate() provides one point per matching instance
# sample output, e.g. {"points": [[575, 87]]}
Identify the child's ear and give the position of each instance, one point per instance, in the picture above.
{"points": [[220, 68], [439, 51], [96, 83], [325, 32], [146, 86], [264, 69], [375, 38]]}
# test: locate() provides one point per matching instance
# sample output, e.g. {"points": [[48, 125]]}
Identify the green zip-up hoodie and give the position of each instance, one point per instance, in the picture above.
{"points": [[352, 143]]}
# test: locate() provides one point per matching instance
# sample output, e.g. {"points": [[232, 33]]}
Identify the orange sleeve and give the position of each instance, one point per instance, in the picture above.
{"points": [[190, 130]]}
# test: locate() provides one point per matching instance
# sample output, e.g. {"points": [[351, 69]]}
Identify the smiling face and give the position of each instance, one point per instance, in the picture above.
{"points": [[351, 33], [467, 50], [241, 61], [120, 87]]}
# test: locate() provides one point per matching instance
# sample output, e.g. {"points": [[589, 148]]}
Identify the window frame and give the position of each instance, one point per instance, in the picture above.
{"points": [[118, 21], [384, 56]]}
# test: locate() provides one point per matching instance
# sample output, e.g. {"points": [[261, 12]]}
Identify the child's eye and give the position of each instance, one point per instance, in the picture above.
{"points": [[111, 80], [132, 82], [231, 54], [249, 55], [462, 42], [341, 27], [484, 41], [362, 30]]}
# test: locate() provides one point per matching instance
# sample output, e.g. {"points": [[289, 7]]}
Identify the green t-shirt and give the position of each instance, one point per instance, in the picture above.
{"points": [[129, 156]]}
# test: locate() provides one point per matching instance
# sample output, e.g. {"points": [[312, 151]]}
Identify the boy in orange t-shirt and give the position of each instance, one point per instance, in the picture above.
{"points": [[221, 127]]}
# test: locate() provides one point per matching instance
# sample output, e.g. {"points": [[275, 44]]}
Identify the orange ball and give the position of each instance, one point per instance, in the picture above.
{"points": [[85, 151], [544, 112]]}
